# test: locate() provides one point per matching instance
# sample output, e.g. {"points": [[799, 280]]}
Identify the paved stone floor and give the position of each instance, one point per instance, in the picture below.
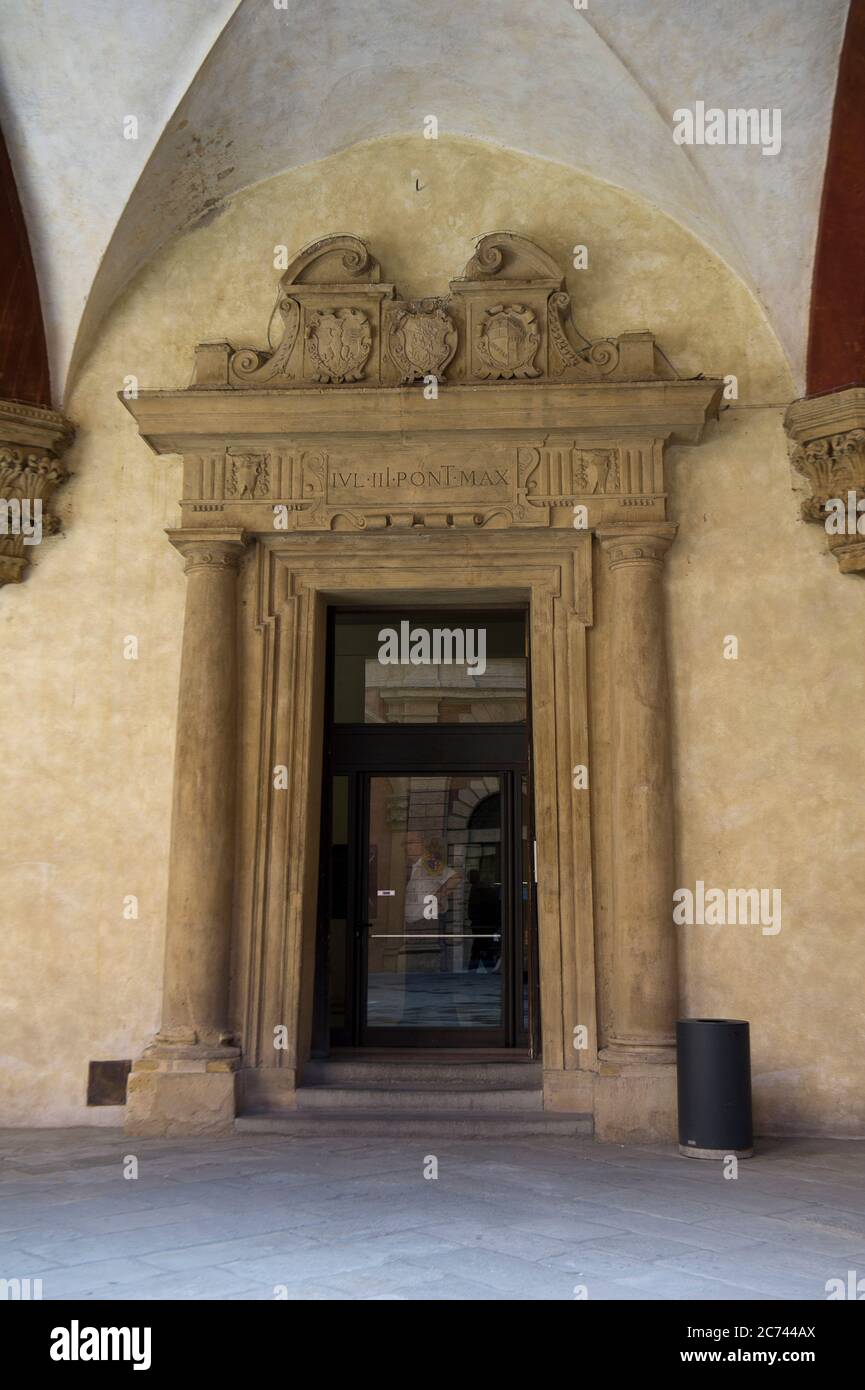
{"points": [[257, 1217]]}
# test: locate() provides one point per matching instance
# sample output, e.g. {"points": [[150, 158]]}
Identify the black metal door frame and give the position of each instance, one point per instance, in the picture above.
{"points": [[362, 751]]}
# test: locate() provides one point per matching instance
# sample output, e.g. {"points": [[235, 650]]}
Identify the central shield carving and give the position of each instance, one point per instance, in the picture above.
{"points": [[339, 344], [422, 341]]}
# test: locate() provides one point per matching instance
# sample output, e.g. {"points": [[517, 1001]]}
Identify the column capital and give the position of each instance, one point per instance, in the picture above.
{"points": [[637, 544], [31, 470], [828, 437], [209, 548]]}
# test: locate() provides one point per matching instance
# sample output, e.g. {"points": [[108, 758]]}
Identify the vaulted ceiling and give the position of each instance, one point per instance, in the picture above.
{"points": [[227, 94]]}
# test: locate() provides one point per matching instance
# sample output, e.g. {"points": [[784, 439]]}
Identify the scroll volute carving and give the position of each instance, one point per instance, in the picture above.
{"points": [[506, 319], [326, 323]]}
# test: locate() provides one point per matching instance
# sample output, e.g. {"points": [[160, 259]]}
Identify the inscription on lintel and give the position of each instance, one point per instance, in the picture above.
{"points": [[373, 485], [449, 481]]}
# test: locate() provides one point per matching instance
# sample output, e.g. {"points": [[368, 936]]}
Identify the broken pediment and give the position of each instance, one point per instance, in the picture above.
{"points": [[506, 319]]}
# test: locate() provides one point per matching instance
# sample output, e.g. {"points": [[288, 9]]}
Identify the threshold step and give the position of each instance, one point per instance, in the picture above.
{"points": [[520, 1075], [417, 1098], [382, 1124]]}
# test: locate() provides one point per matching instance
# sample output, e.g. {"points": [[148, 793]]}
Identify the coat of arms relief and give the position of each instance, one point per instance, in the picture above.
{"points": [[339, 342], [507, 342], [422, 339]]}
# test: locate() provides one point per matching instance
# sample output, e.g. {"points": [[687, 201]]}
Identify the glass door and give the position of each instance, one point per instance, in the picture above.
{"points": [[426, 931], [439, 910]]}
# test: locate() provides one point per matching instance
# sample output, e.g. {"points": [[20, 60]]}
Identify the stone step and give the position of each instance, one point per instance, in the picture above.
{"points": [[423, 1075], [418, 1098], [429, 1125]]}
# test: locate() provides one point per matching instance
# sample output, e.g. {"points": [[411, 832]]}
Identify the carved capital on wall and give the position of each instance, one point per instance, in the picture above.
{"points": [[214, 550], [31, 470], [828, 437], [636, 545]]}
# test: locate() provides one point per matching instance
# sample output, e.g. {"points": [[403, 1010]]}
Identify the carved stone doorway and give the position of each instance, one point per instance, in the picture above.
{"points": [[468, 449]]}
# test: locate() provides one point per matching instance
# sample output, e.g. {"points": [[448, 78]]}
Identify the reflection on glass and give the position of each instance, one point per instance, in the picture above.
{"points": [[435, 906], [338, 908], [527, 855], [454, 667]]}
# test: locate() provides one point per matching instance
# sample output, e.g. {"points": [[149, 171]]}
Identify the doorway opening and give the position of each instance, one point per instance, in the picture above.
{"points": [[426, 930]]}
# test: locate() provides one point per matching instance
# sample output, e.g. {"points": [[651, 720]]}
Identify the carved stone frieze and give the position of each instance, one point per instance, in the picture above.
{"points": [[333, 427], [828, 436], [508, 318], [358, 484], [31, 470]]}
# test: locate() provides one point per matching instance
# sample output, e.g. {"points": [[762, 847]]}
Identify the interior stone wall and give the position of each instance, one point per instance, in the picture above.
{"points": [[768, 766]]}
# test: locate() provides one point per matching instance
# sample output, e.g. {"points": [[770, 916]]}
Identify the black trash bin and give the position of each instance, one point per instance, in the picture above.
{"points": [[714, 1082]]}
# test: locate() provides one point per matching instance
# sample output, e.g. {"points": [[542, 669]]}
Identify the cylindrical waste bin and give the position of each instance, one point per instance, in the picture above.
{"points": [[714, 1083]]}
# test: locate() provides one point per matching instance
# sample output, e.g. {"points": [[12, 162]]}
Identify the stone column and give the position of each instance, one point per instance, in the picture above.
{"points": [[641, 1040], [184, 1083]]}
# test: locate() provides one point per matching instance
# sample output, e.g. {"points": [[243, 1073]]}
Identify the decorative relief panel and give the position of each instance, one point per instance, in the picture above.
{"points": [[247, 474], [358, 486]]}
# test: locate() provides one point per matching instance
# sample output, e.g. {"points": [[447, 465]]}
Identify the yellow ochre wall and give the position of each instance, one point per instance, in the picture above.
{"points": [[769, 760]]}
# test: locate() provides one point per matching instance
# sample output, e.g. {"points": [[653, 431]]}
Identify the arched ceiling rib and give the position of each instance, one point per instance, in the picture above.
{"points": [[593, 89]]}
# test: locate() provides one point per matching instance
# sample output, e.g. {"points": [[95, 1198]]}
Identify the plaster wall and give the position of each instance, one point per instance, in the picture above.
{"points": [[768, 773]]}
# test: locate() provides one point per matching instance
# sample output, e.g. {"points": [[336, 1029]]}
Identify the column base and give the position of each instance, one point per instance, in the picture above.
{"points": [[635, 1097], [177, 1090]]}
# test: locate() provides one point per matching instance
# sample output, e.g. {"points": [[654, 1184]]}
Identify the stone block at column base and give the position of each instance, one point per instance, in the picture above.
{"points": [[173, 1096], [568, 1092], [635, 1100]]}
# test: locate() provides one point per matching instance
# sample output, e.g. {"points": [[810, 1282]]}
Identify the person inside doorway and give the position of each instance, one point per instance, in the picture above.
{"points": [[431, 881], [484, 912]]}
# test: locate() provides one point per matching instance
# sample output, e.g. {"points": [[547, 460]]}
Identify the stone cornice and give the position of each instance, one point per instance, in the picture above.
{"points": [[814, 417], [179, 422], [33, 426], [31, 470]]}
